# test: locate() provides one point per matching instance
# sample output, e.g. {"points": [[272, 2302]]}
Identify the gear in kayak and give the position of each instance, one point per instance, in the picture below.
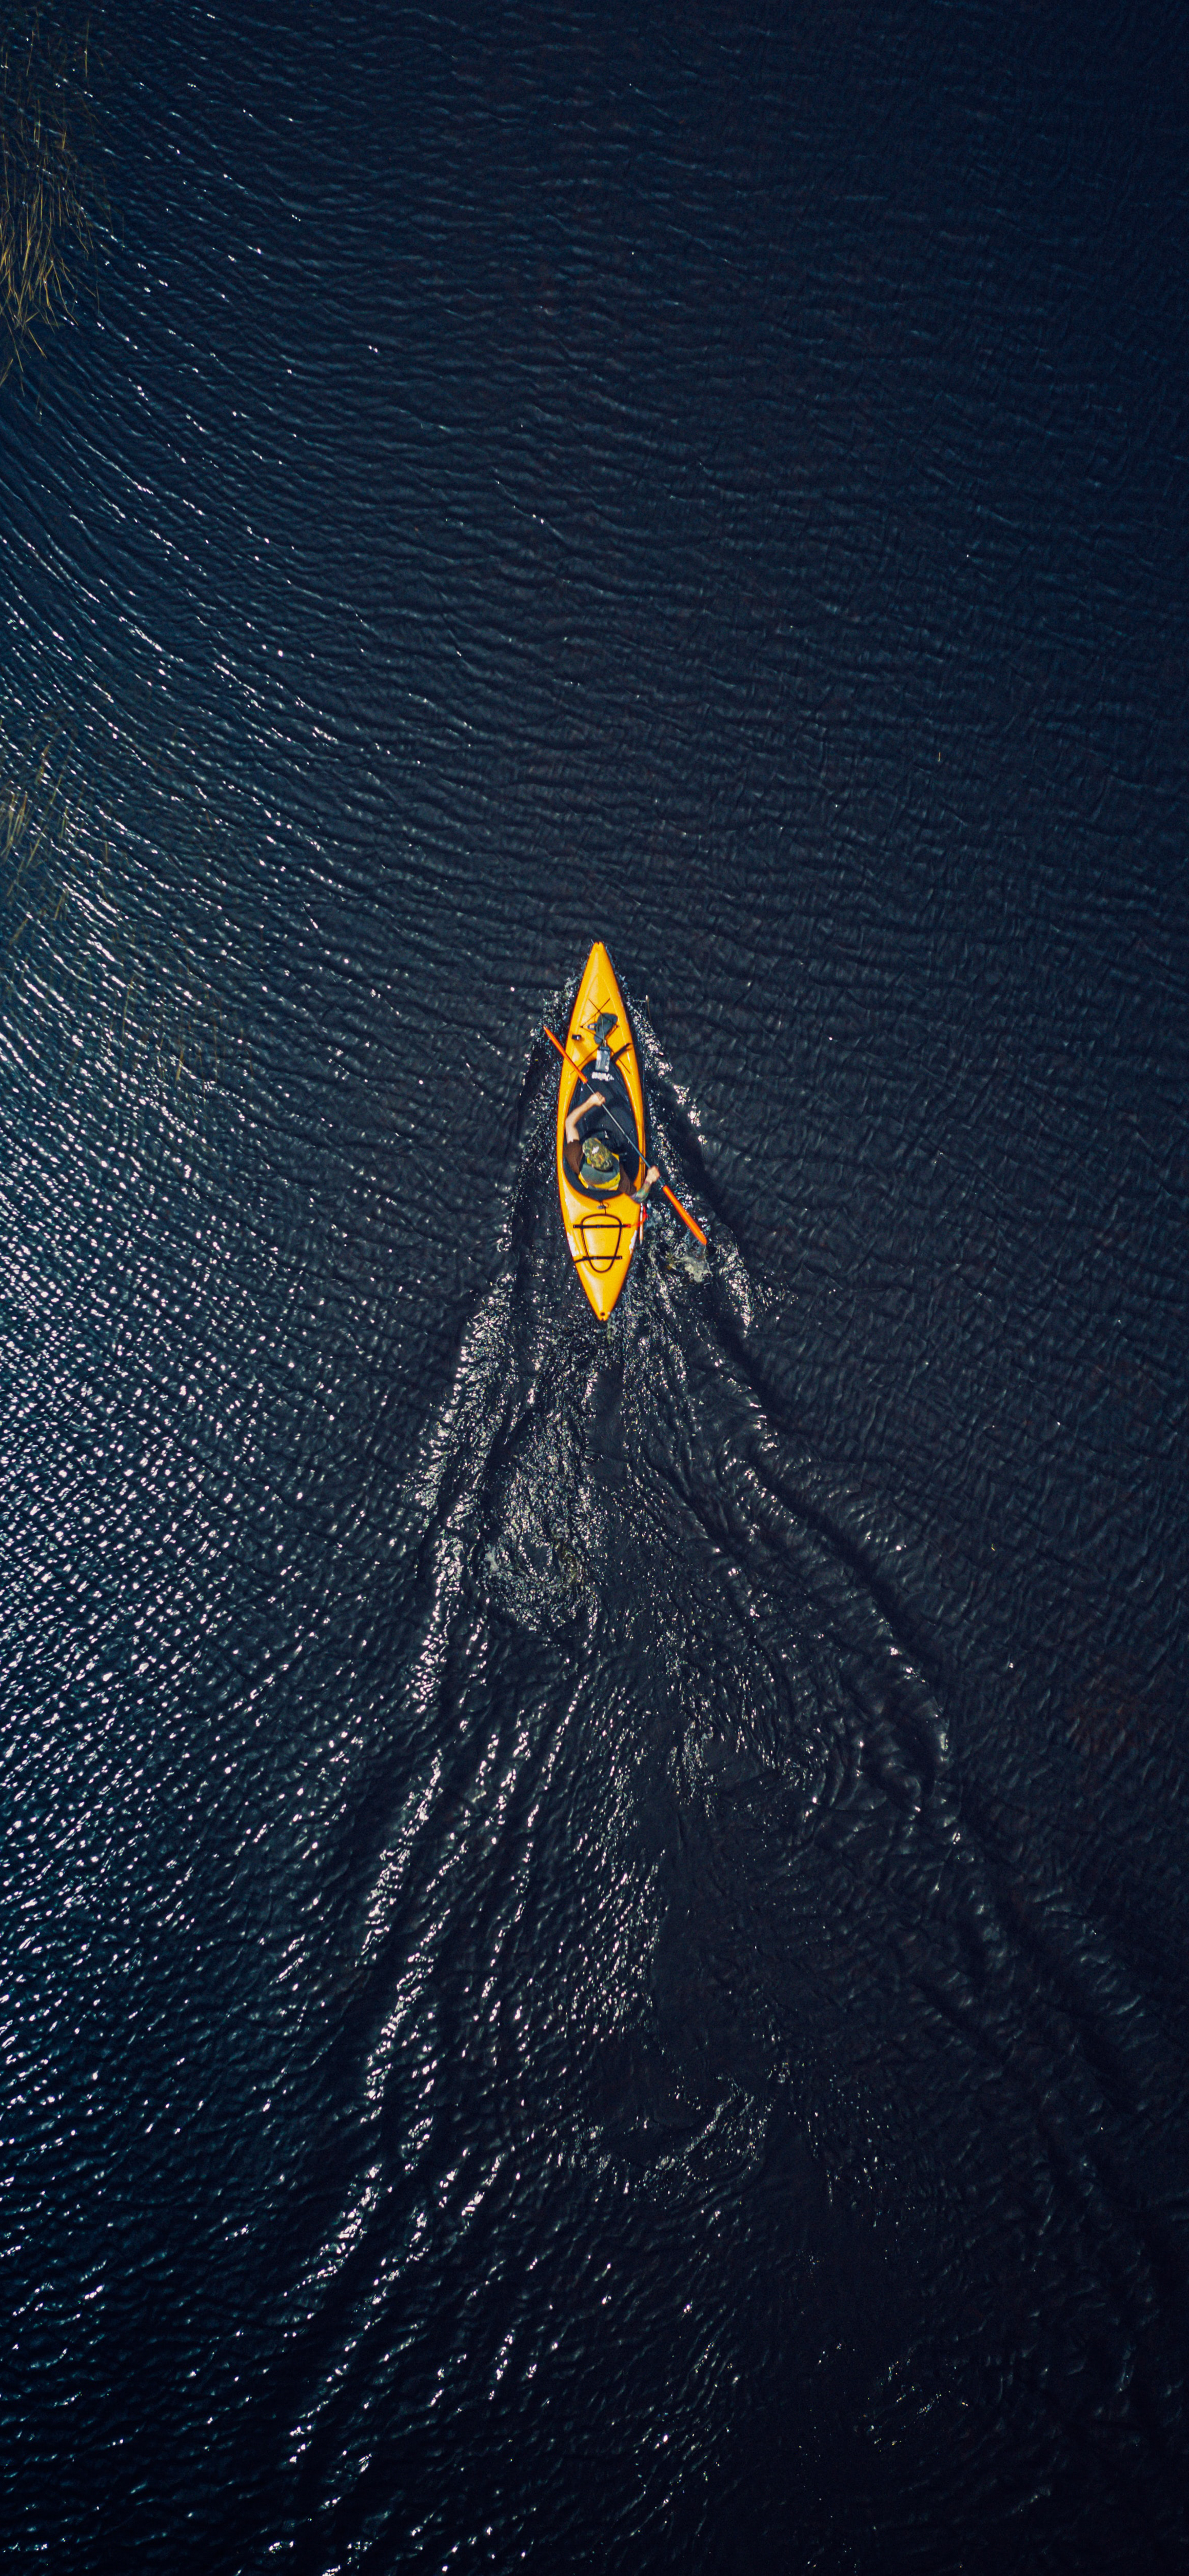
{"points": [[602, 1066]]}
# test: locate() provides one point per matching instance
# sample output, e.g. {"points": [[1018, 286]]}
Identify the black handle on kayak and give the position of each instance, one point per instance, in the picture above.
{"points": [[671, 1195]]}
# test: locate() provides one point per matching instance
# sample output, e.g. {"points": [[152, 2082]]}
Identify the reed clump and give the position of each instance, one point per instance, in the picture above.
{"points": [[49, 194], [90, 941], [39, 817]]}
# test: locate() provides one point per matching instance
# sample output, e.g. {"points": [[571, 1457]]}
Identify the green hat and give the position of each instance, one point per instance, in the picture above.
{"points": [[600, 1168]]}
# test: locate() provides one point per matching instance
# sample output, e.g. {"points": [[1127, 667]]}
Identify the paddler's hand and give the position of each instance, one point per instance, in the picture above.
{"points": [[650, 1176]]}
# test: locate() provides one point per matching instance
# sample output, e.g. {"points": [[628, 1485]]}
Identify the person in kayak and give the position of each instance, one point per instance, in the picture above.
{"points": [[593, 1164]]}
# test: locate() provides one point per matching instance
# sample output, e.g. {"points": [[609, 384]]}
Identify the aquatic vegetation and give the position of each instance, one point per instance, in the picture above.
{"points": [[49, 193], [38, 824], [86, 936]]}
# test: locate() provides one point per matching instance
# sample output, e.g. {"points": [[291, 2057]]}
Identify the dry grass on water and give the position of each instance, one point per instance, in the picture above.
{"points": [[118, 977], [49, 195]]}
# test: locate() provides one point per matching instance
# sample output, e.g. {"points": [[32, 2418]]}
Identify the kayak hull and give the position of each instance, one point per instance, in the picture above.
{"points": [[601, 1233]]}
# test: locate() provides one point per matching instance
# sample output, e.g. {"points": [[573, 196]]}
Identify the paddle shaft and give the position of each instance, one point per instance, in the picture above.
{"points": [[671, 1195]]}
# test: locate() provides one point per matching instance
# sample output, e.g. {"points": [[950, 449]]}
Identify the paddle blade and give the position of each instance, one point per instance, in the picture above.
{"points": [[683, 1213]]}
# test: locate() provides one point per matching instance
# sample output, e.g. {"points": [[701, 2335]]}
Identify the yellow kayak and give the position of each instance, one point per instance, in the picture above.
{"points": [[598, 1167]]}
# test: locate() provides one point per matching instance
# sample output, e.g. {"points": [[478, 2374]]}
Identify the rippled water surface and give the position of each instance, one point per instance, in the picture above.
{"points": [[595, 1930]]}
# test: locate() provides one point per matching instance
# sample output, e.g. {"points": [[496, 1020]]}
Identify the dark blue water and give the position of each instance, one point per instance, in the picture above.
{"points": [[595, 1930]]}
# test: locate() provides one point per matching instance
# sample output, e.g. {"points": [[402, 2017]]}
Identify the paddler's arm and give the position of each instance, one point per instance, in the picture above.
{"points": [[576, 1116], [641, 1194]]}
